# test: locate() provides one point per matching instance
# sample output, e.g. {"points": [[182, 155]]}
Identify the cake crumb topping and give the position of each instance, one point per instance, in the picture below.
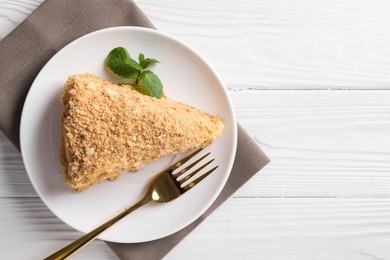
{"points": [[109, 129]]}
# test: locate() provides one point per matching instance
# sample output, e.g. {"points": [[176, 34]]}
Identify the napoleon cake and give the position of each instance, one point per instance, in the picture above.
{"points": [[109, 129]]}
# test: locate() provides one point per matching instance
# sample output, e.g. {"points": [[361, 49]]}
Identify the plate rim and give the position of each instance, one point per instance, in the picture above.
{"points": [[222, 184]]}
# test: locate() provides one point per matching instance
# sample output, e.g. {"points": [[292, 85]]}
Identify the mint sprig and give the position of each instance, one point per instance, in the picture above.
{"points": [[146, 82], [146, 62]]}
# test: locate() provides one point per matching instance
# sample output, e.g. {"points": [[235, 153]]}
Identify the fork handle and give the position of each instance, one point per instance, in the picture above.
{"points": [[72, 248]]}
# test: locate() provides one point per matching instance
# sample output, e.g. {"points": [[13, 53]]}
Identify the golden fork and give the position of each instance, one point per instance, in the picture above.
{"points": [[165, 187]]}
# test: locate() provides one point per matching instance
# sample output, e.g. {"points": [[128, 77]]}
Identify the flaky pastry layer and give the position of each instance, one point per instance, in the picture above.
{"points": [[109, 129]]}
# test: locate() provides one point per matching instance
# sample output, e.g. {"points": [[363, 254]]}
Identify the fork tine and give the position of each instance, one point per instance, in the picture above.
{"points": [[179, 173], [182, 161], [196, 181], [195, 172]]}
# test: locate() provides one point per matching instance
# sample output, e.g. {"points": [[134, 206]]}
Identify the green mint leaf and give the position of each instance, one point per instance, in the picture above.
{"points": [[134, 64], [141, 58], [120, 62], [124, 70], [148, 62], [149, 84]]}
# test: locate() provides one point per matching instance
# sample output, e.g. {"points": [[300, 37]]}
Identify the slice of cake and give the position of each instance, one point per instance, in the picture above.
{"points": [[109, 129]]}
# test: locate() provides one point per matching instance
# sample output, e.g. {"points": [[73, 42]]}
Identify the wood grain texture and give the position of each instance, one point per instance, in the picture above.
{"points": [[30, 231], [284, 44], [292, 229], [14, 181], [262, 44], [326, 193], [242, 228], [13, 12], [321, 143]]}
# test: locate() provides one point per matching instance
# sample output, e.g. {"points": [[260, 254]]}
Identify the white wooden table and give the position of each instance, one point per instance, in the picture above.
{"points": [[310, 80]]}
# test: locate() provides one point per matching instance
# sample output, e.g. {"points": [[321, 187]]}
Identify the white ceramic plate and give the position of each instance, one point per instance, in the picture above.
{"points": [[187, 78]]}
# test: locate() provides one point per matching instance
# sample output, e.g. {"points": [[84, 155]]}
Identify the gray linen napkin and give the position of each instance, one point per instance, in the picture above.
{"points": [[249, 160], [53, 25]]}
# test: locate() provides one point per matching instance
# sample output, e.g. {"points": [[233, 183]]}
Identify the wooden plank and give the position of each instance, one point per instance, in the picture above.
{"points": [[265, 44], [30, 231], [242, 228], [13, 12], [294, 229], [300, 44], [322, 144], [14, 181]]}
